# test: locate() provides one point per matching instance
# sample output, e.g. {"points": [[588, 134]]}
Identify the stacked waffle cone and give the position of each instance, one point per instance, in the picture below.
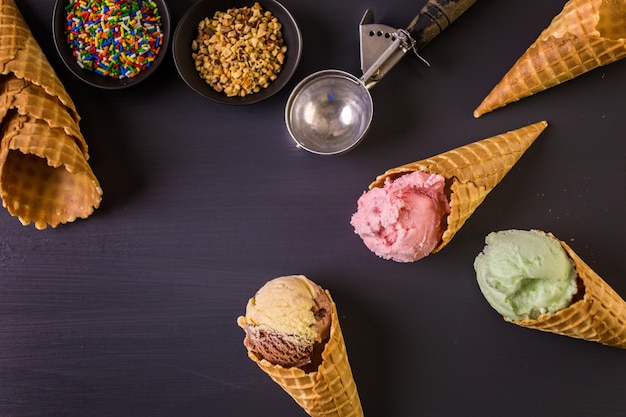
{"points": [[585, 35], [330, 391], [44, 175], [599, 316], [471, 172]]}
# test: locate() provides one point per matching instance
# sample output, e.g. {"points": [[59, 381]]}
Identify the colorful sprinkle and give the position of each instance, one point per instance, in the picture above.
{"points": [[114, 38]]}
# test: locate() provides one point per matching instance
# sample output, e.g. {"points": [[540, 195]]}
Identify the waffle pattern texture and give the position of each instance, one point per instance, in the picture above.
{"points": [[328, 392], [45, 178], [471, 172], [585, 35], [600, 316]]}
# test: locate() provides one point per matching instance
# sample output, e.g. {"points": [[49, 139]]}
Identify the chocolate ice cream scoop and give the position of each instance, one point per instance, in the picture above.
{"points": [[287, 322]]}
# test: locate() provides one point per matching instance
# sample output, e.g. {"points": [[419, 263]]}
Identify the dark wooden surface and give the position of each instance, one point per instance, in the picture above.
{"points": [[132, 311]]}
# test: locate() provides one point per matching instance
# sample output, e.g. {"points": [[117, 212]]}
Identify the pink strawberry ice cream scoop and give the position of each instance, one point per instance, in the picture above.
{"points": [[404, 220]]}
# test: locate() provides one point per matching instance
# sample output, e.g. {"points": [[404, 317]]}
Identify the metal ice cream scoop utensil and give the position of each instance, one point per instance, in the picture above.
{"points": [[330, 111]]}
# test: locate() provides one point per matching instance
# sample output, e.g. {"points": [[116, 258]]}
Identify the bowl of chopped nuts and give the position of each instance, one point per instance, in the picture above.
{"points": [[111, 45], [237, 51]]}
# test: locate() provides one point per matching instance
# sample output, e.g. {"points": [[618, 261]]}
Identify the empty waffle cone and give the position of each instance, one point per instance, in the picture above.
{"points": [[328, 392], [21, 55], [32, 100], [599, 316], [44, 177], [471, 172], [586, 34]]}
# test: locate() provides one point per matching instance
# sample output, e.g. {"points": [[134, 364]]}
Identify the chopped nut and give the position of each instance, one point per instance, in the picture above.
{"points": [[239, 51]]}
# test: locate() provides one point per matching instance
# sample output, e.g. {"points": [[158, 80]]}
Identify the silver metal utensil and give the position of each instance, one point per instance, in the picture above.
{"points": [[330, 111]]}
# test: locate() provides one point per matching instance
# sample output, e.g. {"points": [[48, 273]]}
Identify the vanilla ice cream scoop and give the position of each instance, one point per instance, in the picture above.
{"points": [[525, 273], [287, 322], [293, 335]]}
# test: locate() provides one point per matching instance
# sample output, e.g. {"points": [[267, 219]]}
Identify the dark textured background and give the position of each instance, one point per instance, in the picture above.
{"points": [[132, 311]]}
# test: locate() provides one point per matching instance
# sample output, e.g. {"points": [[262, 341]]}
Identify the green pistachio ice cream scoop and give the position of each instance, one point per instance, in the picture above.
{"points": [[525, 273]]}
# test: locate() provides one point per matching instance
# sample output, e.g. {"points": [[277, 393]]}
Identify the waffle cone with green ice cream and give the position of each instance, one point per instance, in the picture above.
{"points": [[585, 35], [471, 172], [537, 281], [293, 335], [45, 178]]}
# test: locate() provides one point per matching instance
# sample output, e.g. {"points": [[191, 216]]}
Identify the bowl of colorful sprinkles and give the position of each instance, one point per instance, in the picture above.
{"points": [[237, 51], [111, 44]]}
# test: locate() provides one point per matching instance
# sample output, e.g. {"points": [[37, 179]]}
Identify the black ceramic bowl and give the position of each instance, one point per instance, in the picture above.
{"points": [[186, 32], [59, 18]]}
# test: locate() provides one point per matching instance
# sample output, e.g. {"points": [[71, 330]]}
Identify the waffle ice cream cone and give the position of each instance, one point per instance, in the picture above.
{"points": [[585, 35], [44, 175], [471, 172], [599, 316], [21, 56], [34, 101], [327, 391]]}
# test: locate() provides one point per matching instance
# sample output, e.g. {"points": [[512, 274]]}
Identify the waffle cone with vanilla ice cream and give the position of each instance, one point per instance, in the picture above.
{"points": [[436, 196], [45, 178], [537, 281], [293, 335], [585, 35]]}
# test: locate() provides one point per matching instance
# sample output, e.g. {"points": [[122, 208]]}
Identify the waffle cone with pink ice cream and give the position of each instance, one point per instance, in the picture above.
{"points": [[585, 35], [416, 209], [293, 335]]}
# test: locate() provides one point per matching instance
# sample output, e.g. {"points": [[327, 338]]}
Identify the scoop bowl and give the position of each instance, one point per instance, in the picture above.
{"points": [[329, 112]]}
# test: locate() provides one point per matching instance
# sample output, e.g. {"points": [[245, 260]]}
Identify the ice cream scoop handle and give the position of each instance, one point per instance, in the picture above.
{"points": [[434, 17]]}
